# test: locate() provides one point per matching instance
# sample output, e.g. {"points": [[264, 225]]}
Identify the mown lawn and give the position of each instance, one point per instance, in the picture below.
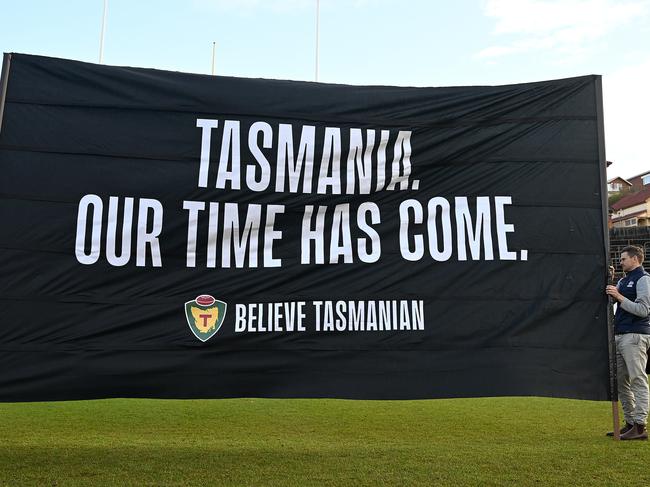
{"points": [[496, 441]]}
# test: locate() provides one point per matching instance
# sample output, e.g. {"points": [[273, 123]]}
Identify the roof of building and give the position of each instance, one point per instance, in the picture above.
{"points": [[622, 179], [638, 176], [633, 199]]}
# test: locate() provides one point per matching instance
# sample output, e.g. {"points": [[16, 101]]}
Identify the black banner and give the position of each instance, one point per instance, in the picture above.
{"points": [[185, 236]]}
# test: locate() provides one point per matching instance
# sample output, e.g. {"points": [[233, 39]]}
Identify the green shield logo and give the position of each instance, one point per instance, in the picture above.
{"points": [[205, 316]]}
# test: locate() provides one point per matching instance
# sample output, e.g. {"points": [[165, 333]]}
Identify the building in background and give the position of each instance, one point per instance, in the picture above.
{"points": [[617, 185], [639, 182], [632, 210]]}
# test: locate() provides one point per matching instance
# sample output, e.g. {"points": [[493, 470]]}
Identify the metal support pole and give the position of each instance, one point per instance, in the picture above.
{"points": [[317, 36], [602, 162], [613, 383], [214, 48], [101, 36], [4, 81]]}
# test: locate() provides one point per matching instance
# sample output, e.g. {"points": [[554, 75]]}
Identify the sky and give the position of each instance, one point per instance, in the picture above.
{"points": [[368, 42]]}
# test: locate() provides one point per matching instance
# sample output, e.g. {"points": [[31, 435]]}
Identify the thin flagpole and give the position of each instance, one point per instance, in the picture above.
{"points": [[317, 35], [214, 48], [101, 37]]}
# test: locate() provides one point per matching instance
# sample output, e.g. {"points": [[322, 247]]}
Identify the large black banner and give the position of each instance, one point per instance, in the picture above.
{"points": [[186, 236]]}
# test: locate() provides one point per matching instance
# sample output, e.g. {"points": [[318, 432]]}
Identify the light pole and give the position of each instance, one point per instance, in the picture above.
{"points": [[214, 49], [101, 36], [317, 27]]}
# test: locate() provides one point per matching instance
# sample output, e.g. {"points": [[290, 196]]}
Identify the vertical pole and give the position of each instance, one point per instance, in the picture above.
{"points": [[317, 35], [613, 382], [4, 81], [602, 162], [101, 36], [612, 371], [214, 48]]}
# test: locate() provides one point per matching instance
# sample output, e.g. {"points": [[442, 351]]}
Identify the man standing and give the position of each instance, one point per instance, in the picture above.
{"points": [[632, 330]]}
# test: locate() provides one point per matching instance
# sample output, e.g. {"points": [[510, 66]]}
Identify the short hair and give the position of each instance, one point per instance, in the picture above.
{"points": [[634, 251]]}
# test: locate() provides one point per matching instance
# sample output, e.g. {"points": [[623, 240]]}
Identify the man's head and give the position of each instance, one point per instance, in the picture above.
{"points": [[631, 258]]}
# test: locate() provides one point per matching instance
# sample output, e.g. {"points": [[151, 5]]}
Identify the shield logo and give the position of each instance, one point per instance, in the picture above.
{"points": [[205, 316]]}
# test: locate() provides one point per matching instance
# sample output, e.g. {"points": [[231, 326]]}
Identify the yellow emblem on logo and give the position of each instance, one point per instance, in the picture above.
{"points": [[205, 320]]}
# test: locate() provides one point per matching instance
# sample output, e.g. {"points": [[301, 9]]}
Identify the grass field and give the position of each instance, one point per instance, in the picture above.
{"points": [[496, 441]]}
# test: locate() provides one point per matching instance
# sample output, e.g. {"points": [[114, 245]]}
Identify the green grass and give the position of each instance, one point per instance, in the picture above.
{"points": [[496, 441]]}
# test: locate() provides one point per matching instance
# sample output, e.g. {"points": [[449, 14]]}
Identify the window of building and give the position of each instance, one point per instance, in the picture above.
{"points": [[631, 222], [613, 187], [646, 179]]}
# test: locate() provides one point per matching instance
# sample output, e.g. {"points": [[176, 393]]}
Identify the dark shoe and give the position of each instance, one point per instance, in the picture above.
{"points": [[637, 432], [624, 429]]}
